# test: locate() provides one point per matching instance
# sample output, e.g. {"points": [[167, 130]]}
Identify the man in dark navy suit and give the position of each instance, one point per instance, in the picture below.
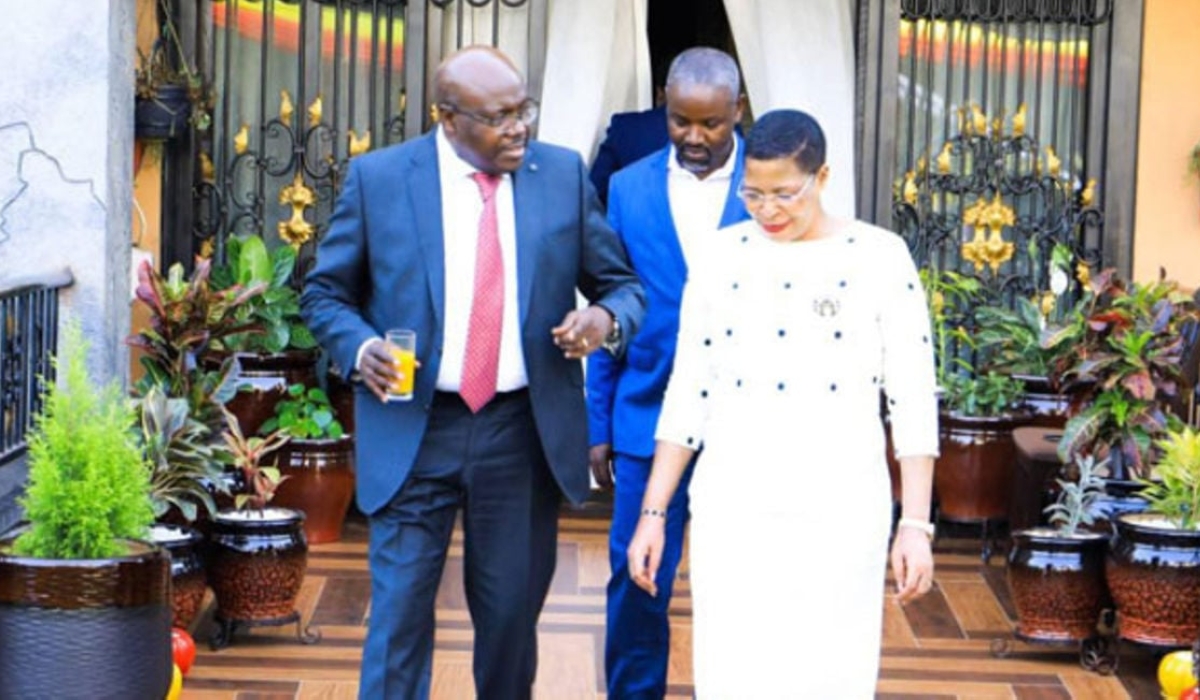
{"points": [[631, 136], [476, 238]]}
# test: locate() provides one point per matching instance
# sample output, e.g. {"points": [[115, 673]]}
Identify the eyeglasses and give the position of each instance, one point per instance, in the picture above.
{"points": [[527, 113], [755, 199]]}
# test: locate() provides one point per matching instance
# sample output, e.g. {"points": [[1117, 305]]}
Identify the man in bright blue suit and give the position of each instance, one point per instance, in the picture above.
{"points": [[664, 207], [477, 239]]}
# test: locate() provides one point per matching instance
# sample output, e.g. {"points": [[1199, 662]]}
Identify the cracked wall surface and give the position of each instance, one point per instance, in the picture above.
{"points": [[66, 144]]}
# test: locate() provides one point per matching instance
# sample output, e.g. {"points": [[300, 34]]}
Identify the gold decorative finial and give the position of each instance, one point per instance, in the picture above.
{"points": [[208, 173], [979, 120], [1018, 120], [206, 249], [1053, 162], [990, 217], [434, 113], [1088, 195], [314, 112], [943, 159], [403, 102], [1049, 299], [296, 231], [908, 191], [286, 108], [241, 140], [1083, 273], [359, 145]]}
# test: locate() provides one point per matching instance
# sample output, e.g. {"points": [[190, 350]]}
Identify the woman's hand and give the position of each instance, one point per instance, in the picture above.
{"points": [[912, 563], [645, 552]]}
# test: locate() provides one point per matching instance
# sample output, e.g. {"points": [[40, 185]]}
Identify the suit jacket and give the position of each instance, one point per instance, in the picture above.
{"points": [[631, 136], [380, 266], [625, 394]]}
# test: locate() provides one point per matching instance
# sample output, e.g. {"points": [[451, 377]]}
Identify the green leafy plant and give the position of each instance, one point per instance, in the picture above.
{"points": [[1174, 493], [88, 484], [246, 455], [988, 394], [179, 452], [1077, 497], [277, 310], [1123, 372], [305, 413], [188, 320]]}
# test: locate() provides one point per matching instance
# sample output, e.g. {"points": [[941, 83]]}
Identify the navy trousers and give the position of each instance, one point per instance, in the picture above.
{"points": [[491, 466], [637, 643]]}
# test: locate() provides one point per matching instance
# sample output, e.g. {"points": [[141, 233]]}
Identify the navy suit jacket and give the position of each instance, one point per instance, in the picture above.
{"points": [[625, 394], [631, 136], [380, 266]]}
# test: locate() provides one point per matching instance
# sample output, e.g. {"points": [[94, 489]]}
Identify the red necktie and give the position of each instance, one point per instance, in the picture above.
{"points": [[482, 361]]}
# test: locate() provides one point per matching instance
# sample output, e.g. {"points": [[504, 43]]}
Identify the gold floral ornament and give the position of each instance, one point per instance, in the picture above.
{"points": [[1018, 120], [314, 112], [286, 107], [359, 144], [990, 218], [908, 191], [296, 231], [208, 172], [1083, 273], [241, 140]]}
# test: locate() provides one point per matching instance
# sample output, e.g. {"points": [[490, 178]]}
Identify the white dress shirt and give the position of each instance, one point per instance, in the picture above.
{"points": [[697, 205], [462, 205]]}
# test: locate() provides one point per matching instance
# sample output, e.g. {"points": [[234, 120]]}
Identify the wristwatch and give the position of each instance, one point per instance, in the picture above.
{"points": [[612, 341]]}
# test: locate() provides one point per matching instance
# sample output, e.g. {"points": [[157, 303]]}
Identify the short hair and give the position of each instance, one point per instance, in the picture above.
{"points": [[788, 133], [704, 65]]}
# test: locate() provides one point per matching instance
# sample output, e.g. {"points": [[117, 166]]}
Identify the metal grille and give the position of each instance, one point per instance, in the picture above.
{"points": [[28, 338], [994, 166], [303, 86]]}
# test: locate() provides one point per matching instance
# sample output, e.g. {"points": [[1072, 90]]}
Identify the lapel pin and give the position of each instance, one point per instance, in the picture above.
{"points": [[533, 167]]}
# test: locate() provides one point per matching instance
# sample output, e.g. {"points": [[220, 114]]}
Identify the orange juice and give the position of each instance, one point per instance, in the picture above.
{"points": [[405, 361]]}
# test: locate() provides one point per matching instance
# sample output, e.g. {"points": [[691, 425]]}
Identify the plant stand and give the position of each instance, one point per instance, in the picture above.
{"points": [[1098, 652], [227, 628]]}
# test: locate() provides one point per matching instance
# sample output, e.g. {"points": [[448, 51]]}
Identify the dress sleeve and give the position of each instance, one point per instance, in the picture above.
{"points": [[685, 405], [908, 367]]}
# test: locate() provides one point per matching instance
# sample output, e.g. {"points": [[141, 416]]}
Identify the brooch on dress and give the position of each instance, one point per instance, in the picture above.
{"points": [[826, 306]]}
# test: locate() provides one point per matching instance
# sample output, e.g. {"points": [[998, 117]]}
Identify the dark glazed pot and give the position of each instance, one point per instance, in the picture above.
{"points": [[320, 483], [1044, 407], [263, 380], [1154, 575], [974, 473], [164, 116], [188, 580], [59, 620], [256, 562], [1057, 584]]}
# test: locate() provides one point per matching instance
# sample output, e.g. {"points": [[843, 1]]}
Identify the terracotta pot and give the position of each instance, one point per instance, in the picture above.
{"points": [[1154, 575], [188, 581], [974, 473], [263, 380], [320, 483], [59, 619], [1057, 584], [256, 562]]}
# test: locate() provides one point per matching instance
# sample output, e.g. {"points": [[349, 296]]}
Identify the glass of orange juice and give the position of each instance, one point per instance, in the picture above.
{"points": [[402, 344]]}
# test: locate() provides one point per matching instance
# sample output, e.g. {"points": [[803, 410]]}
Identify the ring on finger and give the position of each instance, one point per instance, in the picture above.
{"points": [[583, 341]]}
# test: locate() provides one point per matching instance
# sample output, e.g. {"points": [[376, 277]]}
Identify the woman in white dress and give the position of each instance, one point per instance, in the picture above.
{"points": [[791, 325]]}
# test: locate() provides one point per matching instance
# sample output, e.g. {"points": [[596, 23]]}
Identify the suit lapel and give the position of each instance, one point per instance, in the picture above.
{"points": [[735, 210], [660, 212], [425, 190], [527, 211]]}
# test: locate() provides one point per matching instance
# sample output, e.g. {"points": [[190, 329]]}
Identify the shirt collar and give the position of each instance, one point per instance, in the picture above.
{"points": [[451, 164], [724, 172]]}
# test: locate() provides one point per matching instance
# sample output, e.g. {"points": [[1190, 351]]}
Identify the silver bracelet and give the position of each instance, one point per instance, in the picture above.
{"points": [[654, 512]]}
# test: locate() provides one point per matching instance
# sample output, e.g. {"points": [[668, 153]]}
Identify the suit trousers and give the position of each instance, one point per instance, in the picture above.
{"points": [[491, 466], [638, 639]]}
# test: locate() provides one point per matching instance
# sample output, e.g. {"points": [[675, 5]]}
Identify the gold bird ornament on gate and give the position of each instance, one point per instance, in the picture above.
{"points": [[286, 107], [943, 159], [979, 120], [1088, 195], [359, 144], [241, 140], [1053, 162], [314, 112], [1018, 120], [908, 191]]}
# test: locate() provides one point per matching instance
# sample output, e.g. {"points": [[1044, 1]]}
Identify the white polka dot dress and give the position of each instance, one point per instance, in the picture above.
{"points": [[783, 349]]}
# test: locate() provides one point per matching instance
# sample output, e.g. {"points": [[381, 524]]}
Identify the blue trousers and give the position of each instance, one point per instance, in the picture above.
{"points": [[490, 467], [638, 637]]}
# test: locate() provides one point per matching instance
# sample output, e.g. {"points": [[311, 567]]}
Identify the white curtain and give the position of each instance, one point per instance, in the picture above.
{"points": [[800, 55], [597, 63]]}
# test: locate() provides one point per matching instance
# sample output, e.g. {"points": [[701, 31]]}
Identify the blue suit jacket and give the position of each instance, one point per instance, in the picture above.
{"points": [[631, 136], [625, 394], [380, 266]]}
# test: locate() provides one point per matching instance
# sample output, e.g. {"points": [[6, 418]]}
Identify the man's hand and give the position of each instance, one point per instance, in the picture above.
{"points": [[600, 460], [378, 368], [582, 332], [912, 564]]}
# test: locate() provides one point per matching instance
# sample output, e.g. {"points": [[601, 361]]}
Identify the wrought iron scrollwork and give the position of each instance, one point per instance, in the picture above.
{"points": [[1083, 12]]}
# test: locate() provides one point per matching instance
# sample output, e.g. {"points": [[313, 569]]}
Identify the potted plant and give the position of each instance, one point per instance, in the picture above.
{"points": [[1153, 567], [1123, 372], [281, 350], [183, 468], [257, 553], [1056, 574], [171, 94], [317, 463], [78, 575]]}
